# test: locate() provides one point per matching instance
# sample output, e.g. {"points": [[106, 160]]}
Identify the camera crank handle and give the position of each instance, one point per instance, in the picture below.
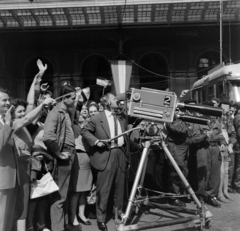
{"points": [[122, 134]]}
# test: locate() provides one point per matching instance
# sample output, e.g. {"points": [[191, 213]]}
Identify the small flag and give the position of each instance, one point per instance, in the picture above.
{"points": [[104, 82]]}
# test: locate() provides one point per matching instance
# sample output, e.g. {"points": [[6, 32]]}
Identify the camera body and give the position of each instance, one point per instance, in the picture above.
{"points": [[152, 104]]}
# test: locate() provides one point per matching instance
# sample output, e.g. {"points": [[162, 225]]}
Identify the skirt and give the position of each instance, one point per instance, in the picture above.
{"points": [[81, 178]]}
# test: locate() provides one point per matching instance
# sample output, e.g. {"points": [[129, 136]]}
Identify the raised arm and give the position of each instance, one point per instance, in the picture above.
{"points": [[35, 86], [31, 116]]}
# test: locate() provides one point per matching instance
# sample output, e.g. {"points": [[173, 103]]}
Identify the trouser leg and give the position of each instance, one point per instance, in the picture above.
{"points": [[202, 162], [31, 210], [58, 198], [7, 207], [220, 190], [237, 172], [214, 165], [225, 178], [42, 210], [231, 170], [159, 173], [119, 181], [179, 153], [104, 184]]}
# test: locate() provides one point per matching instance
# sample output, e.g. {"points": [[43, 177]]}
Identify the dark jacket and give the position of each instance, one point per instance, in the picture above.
{"points": [[177, 131], [98, 128], [55, 129], [199, 135]]}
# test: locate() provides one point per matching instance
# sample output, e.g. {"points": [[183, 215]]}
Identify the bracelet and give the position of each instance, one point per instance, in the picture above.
{"points": [[31, 104]]}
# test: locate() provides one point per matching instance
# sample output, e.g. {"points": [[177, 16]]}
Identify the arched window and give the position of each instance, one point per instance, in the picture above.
{"points": [[93, 67], [155, 63]]}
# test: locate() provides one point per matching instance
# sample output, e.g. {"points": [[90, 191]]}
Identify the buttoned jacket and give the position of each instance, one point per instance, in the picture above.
{"points": [[8, 159]]}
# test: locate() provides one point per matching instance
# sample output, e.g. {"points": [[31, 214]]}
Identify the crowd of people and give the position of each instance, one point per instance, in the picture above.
{"points": [[67, 138]]}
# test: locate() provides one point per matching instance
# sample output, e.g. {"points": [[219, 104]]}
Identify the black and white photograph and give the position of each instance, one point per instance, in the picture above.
{"points": [[119, 115]]}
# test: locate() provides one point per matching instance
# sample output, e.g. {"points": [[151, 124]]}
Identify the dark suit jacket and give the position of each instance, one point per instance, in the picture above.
{"points": [[98, 128], [8, 159]]}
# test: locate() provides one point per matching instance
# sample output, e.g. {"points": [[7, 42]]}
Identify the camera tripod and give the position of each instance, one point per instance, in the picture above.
{"points": [[200, 217]]}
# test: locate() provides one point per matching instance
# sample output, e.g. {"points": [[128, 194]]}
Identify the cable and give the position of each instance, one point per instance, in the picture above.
{"points": [[168, 77], [164, 76]]}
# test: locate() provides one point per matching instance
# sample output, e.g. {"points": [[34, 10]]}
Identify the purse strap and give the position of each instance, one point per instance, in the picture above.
{"points": [[45, 165]]}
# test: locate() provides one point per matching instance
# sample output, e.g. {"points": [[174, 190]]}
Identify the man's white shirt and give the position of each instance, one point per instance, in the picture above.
{"points": [[110, 119], [1, 120]]}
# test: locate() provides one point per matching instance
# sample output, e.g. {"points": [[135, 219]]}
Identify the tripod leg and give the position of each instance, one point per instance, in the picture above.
{"points": [[143, 175], [136, 180], [178, 170]]}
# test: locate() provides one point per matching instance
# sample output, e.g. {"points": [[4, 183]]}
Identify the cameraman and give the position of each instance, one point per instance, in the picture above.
{"points": [[178, 145]]}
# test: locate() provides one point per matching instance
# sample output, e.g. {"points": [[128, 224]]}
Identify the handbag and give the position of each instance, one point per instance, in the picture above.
{"points": [[91, 198], [45, 186]]}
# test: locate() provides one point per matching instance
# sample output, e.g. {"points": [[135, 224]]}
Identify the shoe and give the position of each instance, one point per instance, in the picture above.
{"points": [[87, 222], [102, 226], [177, 202], [71, 227], [228, 197], [213, 202], [231, 190], [222, 199]]}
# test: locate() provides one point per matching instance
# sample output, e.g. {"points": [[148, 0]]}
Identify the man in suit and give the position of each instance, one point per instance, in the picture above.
{"points": [[8, 165], [108, 160]]}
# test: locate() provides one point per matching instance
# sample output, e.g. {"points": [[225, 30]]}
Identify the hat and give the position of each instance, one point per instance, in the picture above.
{"points": [[216, 99], [190, 101], [39, 150]]}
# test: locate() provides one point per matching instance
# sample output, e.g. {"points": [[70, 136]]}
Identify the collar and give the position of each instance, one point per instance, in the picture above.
{"points": [[108, 113], [1, 119], [60, 109]]}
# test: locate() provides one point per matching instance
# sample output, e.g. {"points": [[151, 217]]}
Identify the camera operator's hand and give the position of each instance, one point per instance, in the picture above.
{"points": [[100, 144]]}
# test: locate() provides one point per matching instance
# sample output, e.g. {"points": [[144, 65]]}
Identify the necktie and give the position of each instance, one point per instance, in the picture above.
{"points": [[115, 127]]}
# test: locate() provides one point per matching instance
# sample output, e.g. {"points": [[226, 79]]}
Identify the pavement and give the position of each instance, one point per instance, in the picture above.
{"points": [[226, 218]]}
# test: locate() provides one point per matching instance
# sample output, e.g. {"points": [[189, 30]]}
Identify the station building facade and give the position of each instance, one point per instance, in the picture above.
{"points": [[170, 45]]}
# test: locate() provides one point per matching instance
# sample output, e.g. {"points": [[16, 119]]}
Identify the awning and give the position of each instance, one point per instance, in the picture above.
{"points": [[91, 13]]}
